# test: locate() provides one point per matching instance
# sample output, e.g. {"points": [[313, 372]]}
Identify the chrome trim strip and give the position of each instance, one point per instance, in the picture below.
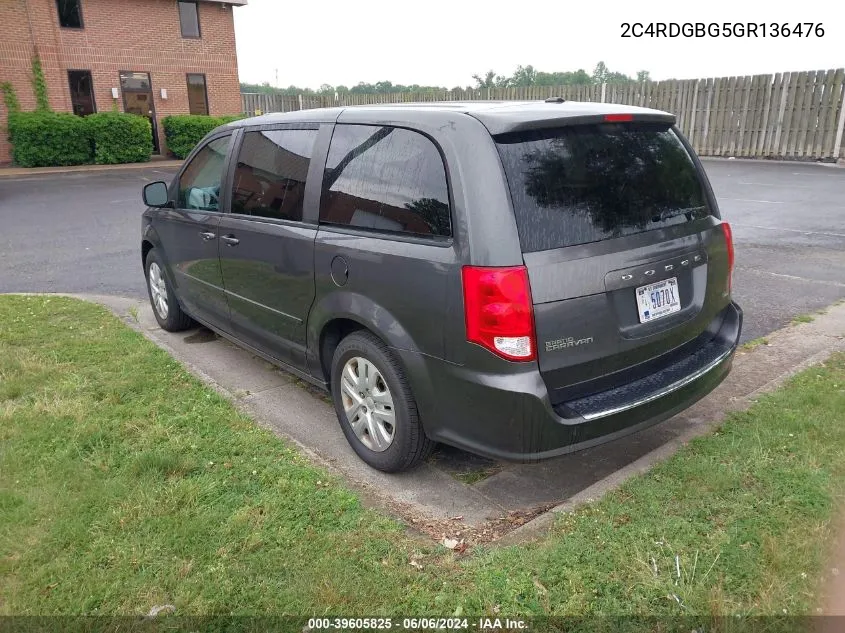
{"points": [[665, 392]]}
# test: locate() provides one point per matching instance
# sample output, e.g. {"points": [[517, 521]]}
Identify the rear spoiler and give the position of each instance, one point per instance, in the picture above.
{"points": [[503, 124]]}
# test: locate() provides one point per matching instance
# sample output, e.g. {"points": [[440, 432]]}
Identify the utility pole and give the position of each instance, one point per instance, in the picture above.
{"points": [[277, 78]]}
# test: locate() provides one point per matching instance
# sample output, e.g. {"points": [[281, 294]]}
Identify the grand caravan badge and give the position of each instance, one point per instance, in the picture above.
{"points": [[563, 343]]}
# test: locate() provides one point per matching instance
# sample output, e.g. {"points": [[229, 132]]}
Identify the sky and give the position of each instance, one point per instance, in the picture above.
{"points": [[445, 42]]}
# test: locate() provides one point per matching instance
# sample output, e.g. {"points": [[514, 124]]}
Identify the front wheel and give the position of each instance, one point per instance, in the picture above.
{"points": [[375, 406], [166, 307]]}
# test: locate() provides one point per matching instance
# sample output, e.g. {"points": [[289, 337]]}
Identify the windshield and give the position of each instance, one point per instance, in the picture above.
{"points": [[587, 183]]}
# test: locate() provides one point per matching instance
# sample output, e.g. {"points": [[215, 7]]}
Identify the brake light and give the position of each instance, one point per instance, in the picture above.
{"points": [[729, 240], [498, 310], [618, 118]]}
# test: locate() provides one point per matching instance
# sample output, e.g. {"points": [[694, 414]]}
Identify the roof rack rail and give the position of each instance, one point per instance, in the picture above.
{"points": [[555, 100]]}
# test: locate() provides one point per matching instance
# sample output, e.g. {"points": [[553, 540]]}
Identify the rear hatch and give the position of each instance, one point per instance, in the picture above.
{"points": [[627, 261]]}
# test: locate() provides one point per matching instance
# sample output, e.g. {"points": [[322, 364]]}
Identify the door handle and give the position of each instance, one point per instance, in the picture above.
{"points": [[208, 235], [230, 240]]}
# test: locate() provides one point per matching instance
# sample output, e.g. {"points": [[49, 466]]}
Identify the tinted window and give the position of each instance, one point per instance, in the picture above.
{"points": [[593, 182], [385, 179], [189, 19], [81, 92], [70, 13], [199, 185], [197, 95], [270, 174]]}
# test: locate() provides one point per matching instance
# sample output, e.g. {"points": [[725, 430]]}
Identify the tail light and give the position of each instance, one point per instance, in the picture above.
{"points": [[729, 240], [618, 118], [498, 311]]}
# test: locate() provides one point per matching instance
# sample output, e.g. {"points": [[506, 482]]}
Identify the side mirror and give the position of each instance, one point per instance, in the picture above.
{"points": [[155, 194]]}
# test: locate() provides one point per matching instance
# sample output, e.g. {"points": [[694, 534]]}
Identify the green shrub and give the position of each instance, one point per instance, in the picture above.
{"points": [[45, 139], [183, 132], [120, 138]]}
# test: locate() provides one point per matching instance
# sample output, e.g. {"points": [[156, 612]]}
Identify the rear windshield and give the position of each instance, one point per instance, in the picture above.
{"points": [[587, 183]]}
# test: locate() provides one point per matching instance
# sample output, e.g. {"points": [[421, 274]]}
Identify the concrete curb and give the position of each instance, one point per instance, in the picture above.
{"points": [[780, 161], [26, 172]]}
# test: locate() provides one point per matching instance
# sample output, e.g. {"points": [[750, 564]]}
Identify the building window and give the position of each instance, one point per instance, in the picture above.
{"points": [[81, 92], [70, 13], [189, 19], [197, 94]]}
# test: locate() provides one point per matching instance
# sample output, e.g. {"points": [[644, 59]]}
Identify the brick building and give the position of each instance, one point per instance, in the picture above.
{"points": [[150, 57]]}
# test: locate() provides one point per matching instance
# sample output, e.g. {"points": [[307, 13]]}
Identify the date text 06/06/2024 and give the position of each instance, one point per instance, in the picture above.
{"points": [[723, 29]]}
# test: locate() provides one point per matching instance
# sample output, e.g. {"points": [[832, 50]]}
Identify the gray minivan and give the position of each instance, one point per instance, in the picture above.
{"points": [[517, 279]]}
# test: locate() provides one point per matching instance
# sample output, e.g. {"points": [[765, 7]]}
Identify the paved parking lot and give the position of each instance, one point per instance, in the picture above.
{"points": [[79, 233]]}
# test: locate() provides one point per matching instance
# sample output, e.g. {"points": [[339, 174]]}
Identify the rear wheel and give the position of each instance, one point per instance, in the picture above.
{"points": [[375, 406], [166, 307]]}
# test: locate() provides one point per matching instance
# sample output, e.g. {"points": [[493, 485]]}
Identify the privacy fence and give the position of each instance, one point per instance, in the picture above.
{"points": [[797, 116]]}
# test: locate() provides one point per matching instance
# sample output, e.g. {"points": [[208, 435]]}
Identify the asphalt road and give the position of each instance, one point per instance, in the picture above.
{"points": [[79, 233]]}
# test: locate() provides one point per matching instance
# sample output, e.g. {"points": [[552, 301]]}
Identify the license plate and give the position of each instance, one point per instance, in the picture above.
{"points": [[658, 300]]}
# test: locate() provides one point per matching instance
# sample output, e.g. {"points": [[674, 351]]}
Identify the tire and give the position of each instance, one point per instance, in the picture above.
{"points": [[168, 314], [408, 444]]}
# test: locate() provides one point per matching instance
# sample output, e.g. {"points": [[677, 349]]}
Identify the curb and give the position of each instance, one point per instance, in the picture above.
{"points": [[26, 172], [774, 161]]}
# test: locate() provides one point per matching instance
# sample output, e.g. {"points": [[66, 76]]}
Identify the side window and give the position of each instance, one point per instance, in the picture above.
{"points": [[385, 179], [199, 185], [270, 174]]}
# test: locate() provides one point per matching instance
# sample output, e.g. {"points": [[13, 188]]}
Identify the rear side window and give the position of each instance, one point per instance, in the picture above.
{"points": [[385, 179], [199, 185], [588, 183], [270, 173]]}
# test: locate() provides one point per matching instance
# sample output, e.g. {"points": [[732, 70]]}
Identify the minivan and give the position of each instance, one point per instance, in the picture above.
{"points": [[517, 279]]}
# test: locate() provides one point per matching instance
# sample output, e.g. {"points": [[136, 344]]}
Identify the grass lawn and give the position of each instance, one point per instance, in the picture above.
{"points": [[125, 483]]}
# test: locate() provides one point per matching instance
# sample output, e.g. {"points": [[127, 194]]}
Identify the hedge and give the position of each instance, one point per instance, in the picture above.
{"points": [[46, 139], [49, 139], [120, 138], [183, 132]]}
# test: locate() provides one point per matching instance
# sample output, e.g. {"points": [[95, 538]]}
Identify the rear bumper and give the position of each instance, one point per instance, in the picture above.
{"points": [[510, 416]]}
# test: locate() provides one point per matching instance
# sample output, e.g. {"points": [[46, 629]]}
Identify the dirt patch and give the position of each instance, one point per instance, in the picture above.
{"points": [[464, 536]]}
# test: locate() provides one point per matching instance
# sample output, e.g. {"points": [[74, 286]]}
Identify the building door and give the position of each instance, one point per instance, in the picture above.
{"points": [[137, 93]]}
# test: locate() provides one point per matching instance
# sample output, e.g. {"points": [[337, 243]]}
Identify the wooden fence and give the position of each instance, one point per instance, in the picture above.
{"points": [[788, 115]]}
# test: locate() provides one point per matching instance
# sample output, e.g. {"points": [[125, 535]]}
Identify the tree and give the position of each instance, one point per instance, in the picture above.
{"points": [[524, 76], [600, 73], [643, 75], [577, 78], [489, 80]]}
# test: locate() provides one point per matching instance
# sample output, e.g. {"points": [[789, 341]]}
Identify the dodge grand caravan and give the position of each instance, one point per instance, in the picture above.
{"points": [[520, 280]]}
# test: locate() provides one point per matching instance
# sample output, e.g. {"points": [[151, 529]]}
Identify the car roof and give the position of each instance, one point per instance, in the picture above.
{"points": [[499, 117]]}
